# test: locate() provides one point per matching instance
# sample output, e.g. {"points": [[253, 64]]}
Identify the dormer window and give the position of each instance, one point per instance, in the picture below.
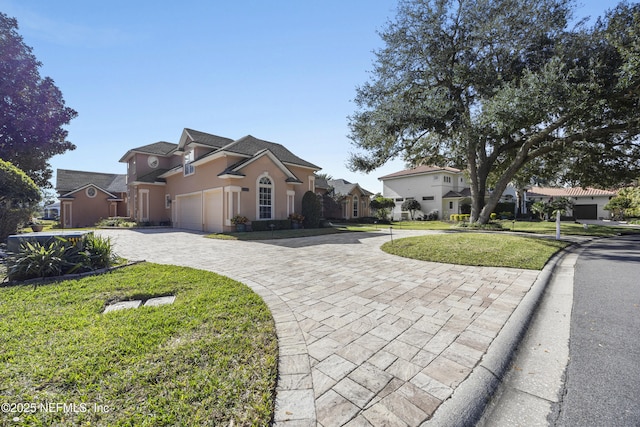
{"points": [[189, 157]]}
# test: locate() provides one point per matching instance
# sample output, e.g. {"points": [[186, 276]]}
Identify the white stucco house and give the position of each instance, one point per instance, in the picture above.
{"points": [[588, 203], [446, 190], [441, 189]]}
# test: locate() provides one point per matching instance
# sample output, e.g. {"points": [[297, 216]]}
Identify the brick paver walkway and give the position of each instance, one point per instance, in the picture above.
{"points": [[365, 338]]}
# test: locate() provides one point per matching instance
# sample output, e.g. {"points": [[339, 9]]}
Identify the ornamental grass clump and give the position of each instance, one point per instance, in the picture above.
{"points": [[60, 256]]}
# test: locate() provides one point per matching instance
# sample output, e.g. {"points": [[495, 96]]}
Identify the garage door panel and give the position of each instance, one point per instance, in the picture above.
{"points": [[190, 212], [213, 211], [585, 211]]}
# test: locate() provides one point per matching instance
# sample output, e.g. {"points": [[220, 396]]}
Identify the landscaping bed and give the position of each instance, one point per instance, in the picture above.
{"points": [[209, 358]]}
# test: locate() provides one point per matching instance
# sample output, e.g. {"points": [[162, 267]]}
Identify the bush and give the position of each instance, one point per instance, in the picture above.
{"points": [[311, 210], [476, 226], [279, 224], [60, 256], [12, 219], [431, 216], [116, 221], [99, 251], [460, 217]]}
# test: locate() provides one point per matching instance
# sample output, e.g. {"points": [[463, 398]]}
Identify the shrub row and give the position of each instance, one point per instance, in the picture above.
{"points": [[60, 256], [467, 217], [279, 224]]}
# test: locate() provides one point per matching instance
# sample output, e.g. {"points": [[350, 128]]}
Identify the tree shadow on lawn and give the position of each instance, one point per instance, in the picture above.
{"points": [[340, 238]]}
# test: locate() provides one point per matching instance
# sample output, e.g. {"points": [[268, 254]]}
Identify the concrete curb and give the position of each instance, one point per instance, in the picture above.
{"points": [[469, 400]]}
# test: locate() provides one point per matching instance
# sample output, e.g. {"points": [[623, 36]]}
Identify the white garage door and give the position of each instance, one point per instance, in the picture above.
{"points": [[190, 212], [213, 210]]}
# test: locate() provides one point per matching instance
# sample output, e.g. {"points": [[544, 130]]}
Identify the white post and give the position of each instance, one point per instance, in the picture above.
{"points": [[558, 224]]}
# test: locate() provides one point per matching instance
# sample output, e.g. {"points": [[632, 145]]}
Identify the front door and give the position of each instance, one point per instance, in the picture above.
{"points": [[66, 215]]}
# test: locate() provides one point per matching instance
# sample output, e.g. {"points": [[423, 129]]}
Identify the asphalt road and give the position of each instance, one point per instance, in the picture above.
{"points": [[602, 385]]}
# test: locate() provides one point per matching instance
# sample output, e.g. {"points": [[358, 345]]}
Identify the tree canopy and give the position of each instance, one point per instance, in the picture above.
{"points": [[18, 195], [506, 91], [32, 110], [16, 187]]}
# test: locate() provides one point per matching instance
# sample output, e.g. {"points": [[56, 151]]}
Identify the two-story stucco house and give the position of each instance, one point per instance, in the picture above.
{"points": [[205, 180], [441, 189]]}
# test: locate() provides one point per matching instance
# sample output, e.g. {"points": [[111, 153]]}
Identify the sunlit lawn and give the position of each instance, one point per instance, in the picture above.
{"points": [[210, 358], [479, 249]]}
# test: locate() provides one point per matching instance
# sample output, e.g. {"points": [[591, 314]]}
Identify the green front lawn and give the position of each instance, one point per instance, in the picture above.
{"points": [[207, 359], [481, 249]]}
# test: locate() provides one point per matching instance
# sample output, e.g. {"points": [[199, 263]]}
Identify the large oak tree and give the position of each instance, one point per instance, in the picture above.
{"points": [[505, 90], [32, 110]]}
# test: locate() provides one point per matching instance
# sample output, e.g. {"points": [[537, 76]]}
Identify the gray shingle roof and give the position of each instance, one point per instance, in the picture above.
{"points": [[153, 176], [465, 192], [161, 147], [214, 141], [249, 146], [344, 187], [69, 180]]}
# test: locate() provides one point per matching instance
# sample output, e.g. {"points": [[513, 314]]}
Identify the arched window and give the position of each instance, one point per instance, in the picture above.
{"points": [[355, 206], [265, 198]]}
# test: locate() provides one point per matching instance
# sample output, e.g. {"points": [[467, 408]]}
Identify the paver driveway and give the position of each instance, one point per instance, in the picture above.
{"points": [[365, 338]]}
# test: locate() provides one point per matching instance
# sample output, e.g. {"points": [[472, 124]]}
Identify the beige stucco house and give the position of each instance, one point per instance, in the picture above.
{"points": [[441, 189], [205, 180], [87, 197]]}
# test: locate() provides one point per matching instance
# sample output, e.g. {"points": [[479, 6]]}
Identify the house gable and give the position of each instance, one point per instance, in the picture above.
{"points": [[86, 197], [234, 171]]}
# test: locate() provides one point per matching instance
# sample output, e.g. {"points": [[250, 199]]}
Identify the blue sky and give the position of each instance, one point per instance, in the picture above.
{"points": [[140, 71]]}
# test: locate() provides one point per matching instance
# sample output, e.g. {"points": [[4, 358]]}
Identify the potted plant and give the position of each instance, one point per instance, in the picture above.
{"points": [[36, 226], [296, 220], [240, 222]]}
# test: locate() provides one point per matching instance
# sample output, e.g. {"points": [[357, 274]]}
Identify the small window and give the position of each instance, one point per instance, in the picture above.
{"points": [[399, 199], [410, 198], [428, 198], [167, 201], [91, 192], [450, 205], [355, 206], [447, 179], [189, 157]]}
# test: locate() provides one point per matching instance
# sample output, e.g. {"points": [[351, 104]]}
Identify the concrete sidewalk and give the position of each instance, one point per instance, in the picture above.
{"points": [[365, 338]]}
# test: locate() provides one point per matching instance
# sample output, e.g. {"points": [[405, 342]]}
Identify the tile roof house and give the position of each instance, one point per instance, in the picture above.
{"points": [[205, 180], [438, 189], [588, 203], [87, 197], [343, 199]]}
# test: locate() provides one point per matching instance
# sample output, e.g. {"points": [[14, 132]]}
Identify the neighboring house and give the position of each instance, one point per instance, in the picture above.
{"points": [[205, 180], [441, 189], [87, 197], [446, 190], [52, 211], [343, 199], [588, 203]]}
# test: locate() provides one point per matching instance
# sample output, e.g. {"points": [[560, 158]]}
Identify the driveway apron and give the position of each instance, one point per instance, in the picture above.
{"points": [[365, 338]]}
